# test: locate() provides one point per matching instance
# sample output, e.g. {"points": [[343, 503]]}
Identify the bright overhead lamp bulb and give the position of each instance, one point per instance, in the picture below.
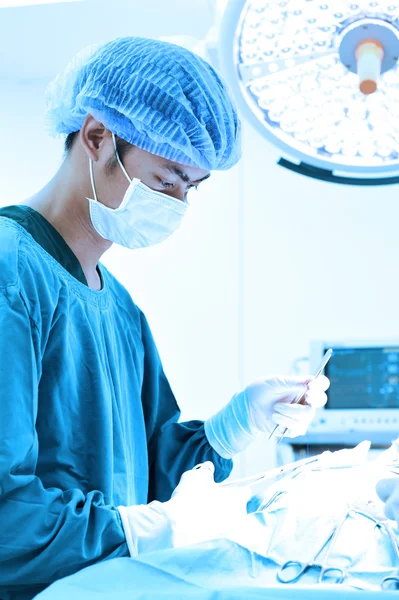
{"points": [[369, 55]]}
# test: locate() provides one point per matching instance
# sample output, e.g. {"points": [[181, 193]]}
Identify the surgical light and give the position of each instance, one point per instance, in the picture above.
{"points": [[320, 79]]}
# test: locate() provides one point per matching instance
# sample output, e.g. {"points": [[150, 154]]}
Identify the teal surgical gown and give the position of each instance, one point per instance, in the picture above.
{"points": [[88, 420]]}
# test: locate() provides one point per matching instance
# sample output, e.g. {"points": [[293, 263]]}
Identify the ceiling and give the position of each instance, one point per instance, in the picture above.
{"points": [[38, 41]]}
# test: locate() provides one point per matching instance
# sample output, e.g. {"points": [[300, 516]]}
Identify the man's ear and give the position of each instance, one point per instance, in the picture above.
{"points": [[92, 136]]}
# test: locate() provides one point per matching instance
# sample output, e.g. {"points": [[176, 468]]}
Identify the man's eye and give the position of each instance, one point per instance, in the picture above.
{"points": [[167, 184]]}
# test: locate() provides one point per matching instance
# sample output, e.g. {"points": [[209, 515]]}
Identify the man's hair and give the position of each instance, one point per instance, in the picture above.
{"points": [[122, 146], [69, 141]]}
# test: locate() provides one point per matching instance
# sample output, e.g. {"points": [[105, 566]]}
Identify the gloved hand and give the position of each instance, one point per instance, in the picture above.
{"points": [[199, 510], [261, 406], [388, 491]]}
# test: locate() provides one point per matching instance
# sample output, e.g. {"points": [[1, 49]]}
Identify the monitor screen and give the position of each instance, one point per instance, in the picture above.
{"points": [[363, 378]]}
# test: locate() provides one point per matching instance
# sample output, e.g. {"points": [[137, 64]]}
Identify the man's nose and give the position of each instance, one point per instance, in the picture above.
{"points": [[179, 193]]}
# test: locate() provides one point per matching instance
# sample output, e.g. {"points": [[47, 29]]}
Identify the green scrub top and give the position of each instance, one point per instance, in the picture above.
{"points": [[46, 236], [88, 420]]}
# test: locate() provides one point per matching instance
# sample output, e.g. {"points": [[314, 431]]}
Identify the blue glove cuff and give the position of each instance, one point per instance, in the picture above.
{"points": [[231, 430]]}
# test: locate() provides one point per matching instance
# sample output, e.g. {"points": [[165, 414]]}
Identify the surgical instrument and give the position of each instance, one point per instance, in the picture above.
{"points": [[328, 574], [391, 582], [298, 568], [273, 498], [339, 574], [334, 574], [293, 469], [273, 473], [300, 397]]}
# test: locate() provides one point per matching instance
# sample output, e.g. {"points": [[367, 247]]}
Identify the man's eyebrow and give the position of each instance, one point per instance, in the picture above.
{"points": [[183, 176]]}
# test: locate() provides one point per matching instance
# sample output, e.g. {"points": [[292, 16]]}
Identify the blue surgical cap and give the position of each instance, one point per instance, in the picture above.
{"points": [[155, 95]]}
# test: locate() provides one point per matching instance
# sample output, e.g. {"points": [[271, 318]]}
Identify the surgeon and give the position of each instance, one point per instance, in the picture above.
{"points": [[92, 451]]}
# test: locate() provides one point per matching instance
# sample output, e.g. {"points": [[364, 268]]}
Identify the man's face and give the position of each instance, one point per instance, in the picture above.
{"points": [[162, 175], [159, 174]]}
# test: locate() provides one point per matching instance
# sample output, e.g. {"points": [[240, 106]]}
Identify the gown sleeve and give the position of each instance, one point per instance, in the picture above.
{"points": [[45, 534], [173, 447]]}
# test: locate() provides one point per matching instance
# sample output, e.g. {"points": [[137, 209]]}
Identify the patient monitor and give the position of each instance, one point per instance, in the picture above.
{"points": [[363, 400]]}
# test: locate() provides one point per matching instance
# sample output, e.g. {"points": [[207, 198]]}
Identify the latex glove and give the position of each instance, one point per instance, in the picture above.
{"points": [[261, 406], [199, 510], [270, 402], [388, 491]]}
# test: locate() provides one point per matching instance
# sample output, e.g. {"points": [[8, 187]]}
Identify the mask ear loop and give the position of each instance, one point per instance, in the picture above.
{"points": [[92, 180], [119, 160], [120, 164]]}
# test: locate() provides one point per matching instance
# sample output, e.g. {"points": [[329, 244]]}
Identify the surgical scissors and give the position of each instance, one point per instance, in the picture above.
{"points": [[328, 574], [298, 568], [392, 581]]}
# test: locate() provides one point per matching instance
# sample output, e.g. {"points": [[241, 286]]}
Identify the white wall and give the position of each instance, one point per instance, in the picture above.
{"points": [[28, 158], [320, 261]]}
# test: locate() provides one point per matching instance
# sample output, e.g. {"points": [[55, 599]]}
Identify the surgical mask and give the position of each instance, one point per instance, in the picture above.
{"points": [[144, 218]]}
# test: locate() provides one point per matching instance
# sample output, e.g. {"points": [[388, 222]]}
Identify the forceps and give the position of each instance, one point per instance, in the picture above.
{"points": [[292, 570], [392, 581], [298, 399], [328, 574], [273, 473]]}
